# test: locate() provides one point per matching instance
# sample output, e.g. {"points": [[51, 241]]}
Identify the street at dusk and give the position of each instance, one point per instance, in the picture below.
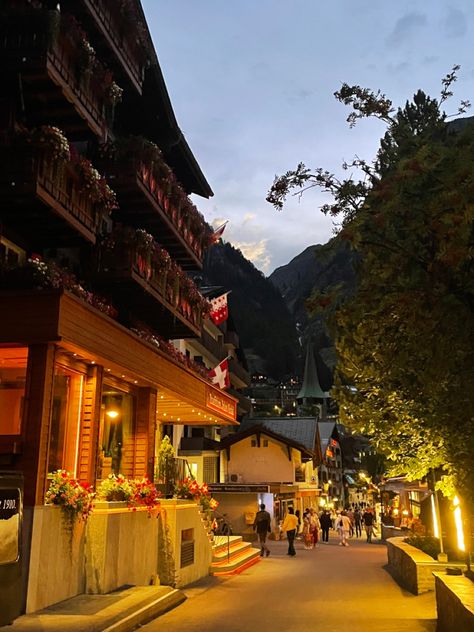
{"points": [[236, 316], [330, 588]]}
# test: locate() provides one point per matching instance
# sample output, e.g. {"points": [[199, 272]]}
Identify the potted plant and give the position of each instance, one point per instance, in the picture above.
{"points": [[73, 498], [115, 488], [166, 467]]}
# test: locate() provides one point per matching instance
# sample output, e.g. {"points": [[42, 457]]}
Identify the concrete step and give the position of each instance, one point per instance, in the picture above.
{"points": [[236, 563], [234, 550], [221, 542], [119, 611]]}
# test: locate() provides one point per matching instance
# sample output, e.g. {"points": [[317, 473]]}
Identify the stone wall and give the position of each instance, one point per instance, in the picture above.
{"points": [[115, 547], [455, 603], [56, 568], [412, 568]]}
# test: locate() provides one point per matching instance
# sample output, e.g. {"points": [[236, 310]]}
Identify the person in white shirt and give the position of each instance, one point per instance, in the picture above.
{"points": [[343, 526]]}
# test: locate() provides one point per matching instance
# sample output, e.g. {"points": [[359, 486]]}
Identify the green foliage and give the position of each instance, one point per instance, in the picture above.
{"points": [[166, 456], [405, 339], [427, 544]]}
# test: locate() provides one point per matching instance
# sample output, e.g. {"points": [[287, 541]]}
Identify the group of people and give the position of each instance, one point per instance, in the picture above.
{"points": [[347, 523]]}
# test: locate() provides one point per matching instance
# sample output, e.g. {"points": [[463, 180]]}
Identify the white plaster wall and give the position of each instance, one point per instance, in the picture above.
{"points": [[260, 464]]}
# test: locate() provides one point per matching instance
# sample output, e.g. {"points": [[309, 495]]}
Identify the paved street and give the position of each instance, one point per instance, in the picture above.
{"points": [[342, 589]]}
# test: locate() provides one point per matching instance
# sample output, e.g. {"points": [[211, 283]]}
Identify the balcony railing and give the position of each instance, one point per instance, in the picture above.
{"points": [[238, 370], [123, 34], [69, 206], [171, 302], [152, 198], [48, 44]]}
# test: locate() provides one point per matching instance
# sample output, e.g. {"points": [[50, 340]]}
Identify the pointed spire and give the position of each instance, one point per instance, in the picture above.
{"points": [[311, 388]]}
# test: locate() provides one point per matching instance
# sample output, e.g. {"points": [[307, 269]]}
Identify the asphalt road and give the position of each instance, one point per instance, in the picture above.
{"points": [[328, 589]]}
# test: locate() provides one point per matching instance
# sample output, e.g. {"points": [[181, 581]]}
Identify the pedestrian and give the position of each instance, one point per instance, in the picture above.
{"points": [[262, 526], [326, 524], [314, 525], [298, 515], [350, 515], [344, 525], [358, 522], [368, 520], [307, 535], [290, 524]]}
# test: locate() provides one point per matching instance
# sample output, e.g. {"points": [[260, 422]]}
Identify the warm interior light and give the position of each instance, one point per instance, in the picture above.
{"points": [[113, 414], [435, 517], [458, 523]]}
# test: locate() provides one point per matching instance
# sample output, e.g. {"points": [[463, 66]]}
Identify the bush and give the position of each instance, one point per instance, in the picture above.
{"points": [[426, 543]]}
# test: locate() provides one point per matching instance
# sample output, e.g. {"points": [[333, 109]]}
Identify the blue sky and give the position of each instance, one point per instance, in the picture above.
{"points": [[252, 83]]}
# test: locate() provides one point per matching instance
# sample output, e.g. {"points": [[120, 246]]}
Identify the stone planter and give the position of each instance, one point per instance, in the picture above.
{"points": [[454, 603], [121, 547], [412, 568], [50, 579]]}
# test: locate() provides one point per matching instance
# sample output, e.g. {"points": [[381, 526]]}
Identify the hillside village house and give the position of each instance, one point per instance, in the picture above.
{"points": [[273, 461], [97, 234]]}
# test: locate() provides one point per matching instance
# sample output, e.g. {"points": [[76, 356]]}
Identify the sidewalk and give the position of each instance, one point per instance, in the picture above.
{"points": [[119, 611]]}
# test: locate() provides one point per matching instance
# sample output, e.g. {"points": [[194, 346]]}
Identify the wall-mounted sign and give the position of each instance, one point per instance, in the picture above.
{"points": [[10, 506], [239, 489], [221, 403]]}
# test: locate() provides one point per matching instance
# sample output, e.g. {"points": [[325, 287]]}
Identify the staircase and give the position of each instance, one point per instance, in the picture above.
{"points": [[231, 555]]}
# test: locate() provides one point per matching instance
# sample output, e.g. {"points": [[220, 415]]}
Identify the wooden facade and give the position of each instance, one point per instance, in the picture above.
{"points": [[89, 387]]}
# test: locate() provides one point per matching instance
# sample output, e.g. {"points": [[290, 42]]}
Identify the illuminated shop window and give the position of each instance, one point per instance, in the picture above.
{"points": [[66, 414], [13, 362], [116, 440]]}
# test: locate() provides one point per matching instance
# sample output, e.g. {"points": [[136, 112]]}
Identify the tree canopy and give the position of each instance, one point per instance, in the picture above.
{"points": [[405, 340]]}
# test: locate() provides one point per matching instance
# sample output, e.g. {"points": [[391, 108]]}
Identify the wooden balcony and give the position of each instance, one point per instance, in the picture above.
{"points": [[238, 370], [121, 36], [147, 292], [37, 44], [41, 199], [144, 203]]}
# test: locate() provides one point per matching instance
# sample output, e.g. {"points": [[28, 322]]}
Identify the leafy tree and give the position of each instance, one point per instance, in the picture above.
{"points": [[406, 338]]}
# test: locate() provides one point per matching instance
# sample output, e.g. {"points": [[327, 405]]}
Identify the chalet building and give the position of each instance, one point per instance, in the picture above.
{"points": [[97, 236], [269, 460]]}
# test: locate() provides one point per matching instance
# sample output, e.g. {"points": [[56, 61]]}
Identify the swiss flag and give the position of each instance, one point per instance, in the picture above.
{"points": [[219, 310], [220, 374]]}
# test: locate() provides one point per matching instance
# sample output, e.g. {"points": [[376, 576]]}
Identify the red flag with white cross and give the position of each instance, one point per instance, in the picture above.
{"points": [[220, 374]]}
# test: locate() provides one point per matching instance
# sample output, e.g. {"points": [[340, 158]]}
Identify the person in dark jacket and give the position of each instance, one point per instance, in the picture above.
{"points": [[262, 526], [326, 523], [368, 519]]}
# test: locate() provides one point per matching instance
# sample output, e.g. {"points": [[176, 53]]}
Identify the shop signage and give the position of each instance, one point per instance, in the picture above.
{"points": [[9, 525], [240, 489], [221, 403]]}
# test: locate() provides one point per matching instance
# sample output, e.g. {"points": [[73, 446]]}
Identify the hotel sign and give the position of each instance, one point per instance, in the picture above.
{"points": [[240, 489], [221, 403]]}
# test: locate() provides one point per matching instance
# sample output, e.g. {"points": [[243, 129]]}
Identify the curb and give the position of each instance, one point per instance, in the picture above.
{"points": [[148, 613]]}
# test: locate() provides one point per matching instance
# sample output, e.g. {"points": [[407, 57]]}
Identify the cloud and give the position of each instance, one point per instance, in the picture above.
{"points": [[406, 27], [455, 23], [256, 252]]}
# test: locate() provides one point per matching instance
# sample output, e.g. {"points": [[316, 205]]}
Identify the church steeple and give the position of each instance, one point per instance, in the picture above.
{"points": [[311, 389]]}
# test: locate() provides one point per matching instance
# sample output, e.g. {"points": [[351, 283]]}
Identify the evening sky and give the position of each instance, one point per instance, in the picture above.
{"points": [[252, 83]]}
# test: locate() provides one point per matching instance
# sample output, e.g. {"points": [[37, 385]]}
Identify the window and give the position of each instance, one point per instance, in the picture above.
{"points": [[66, 412], [13, 362], [265, 443], [117, 414], [253, 443]]}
